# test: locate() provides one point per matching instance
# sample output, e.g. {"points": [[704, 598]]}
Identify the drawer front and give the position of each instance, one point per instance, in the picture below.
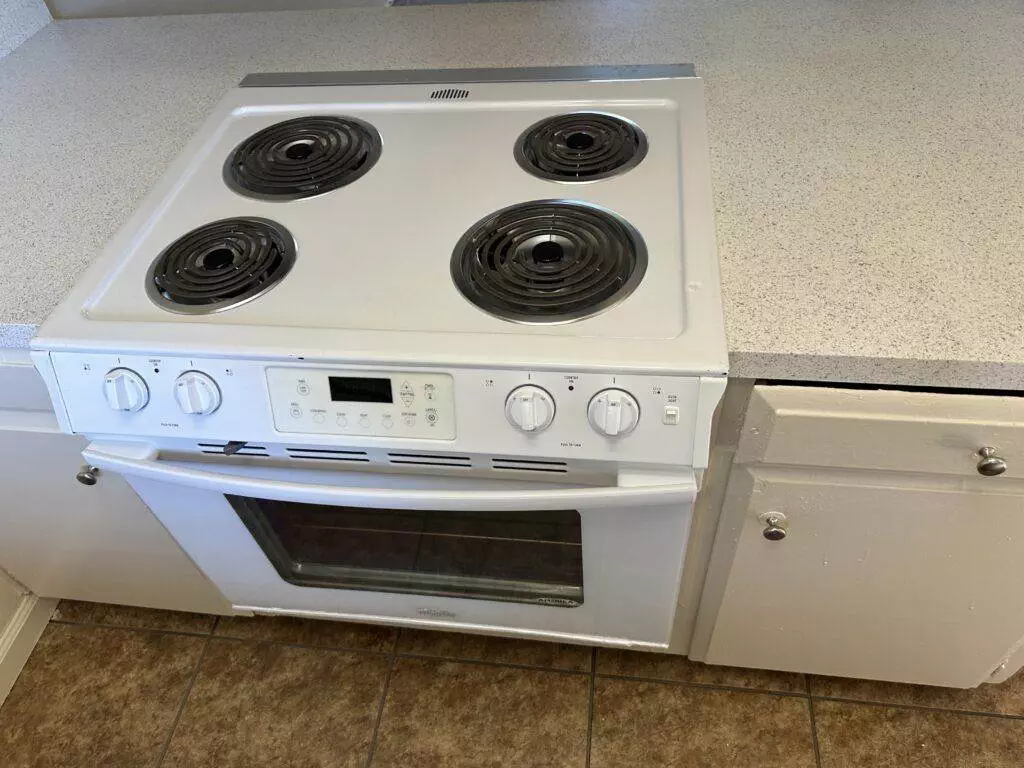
{"points": [[914, 432], [22, 388]]}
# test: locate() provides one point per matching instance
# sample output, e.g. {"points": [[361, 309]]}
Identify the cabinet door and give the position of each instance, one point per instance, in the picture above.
{"points": [[878, 576], [63, 539]]}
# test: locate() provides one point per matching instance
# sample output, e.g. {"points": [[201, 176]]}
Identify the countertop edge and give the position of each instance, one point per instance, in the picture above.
{"points": [[16, 335], [880, 371], [794, 367]]}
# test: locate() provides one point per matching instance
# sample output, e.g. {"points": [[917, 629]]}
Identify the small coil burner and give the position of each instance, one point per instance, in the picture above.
{"points": [[220, 265], [303, 157], [549, 261], [580, 146]]}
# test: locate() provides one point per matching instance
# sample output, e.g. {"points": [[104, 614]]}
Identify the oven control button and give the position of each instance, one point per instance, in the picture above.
{"points": [[196, 393], [125, 390], [613, 412], [529, 408]]}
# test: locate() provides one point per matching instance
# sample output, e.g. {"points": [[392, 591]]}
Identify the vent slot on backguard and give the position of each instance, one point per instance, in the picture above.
{"points": [[327, 454], [450, 93], [245, 450], [429, 460], [530, 465]]}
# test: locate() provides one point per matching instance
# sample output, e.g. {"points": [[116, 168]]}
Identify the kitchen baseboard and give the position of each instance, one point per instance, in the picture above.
{"points": [[83, 9], [19, 637]]}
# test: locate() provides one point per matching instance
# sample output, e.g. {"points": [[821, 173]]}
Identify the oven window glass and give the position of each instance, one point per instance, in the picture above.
{"points": [[523, 557]]}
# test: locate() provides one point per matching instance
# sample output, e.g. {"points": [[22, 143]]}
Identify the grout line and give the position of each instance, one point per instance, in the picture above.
{"points": [[704, 686], [380, 708], [94, 625], [590, 710], [814, 725], [307, 646], [919, 707], [184, 702], [486, 663]]}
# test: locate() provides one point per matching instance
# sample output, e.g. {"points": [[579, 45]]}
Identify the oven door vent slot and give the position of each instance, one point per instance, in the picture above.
{"points": [[530, 465], [450, 93], [327, 454], [217, 449], [430, 460]]}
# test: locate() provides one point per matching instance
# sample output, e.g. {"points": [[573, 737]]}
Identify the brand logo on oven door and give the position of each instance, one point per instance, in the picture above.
{"points": [[561, 602], [436, 613]]}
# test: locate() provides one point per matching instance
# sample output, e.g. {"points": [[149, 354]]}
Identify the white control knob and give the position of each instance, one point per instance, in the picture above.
{"points": [[196, 393], [613, 412], [529, 408], [125, 390]]}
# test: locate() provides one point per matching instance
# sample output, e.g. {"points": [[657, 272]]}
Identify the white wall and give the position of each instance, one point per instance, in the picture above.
{"points": [[76, 9], [19, 20]]}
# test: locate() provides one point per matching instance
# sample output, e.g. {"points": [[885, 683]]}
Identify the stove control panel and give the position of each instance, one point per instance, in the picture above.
{"points": [[564, 414], [359, 402]]}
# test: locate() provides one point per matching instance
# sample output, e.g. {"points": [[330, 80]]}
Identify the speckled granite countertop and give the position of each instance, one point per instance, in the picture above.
{"points": [[868, 157]]}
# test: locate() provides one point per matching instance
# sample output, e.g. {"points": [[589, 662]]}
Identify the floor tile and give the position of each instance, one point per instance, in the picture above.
{"points": [[664, 725], [129, 616], [92, 696], [1005, 698], [257, 705], [504, 650], [460, 715], [664, 666], [327, 634], [853, 735]]}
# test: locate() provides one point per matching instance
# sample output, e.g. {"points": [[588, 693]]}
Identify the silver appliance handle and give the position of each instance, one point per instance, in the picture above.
{"points": [[141, 461]]}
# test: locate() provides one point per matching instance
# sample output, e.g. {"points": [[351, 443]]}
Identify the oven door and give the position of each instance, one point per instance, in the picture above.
{"points": [[592, 564]]}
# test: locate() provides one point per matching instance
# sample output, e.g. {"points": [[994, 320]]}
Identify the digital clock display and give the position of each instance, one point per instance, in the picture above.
{"points": [[350, 389]]}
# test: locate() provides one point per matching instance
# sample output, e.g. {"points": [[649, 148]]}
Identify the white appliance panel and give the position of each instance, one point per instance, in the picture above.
{"points": [[385, 241], [400, 403], [674, 410], [371, 279], [632, 564]]}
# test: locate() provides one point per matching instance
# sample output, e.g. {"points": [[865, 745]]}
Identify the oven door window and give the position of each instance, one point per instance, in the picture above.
{"points": [[522, 557]]}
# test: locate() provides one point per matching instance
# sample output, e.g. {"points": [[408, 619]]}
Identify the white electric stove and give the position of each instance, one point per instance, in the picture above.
{"points": [[435, 348]]}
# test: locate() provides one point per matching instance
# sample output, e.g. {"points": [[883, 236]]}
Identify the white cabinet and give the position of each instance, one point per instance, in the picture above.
{"points": [[899, 562], [67, 540], [11, 594]]}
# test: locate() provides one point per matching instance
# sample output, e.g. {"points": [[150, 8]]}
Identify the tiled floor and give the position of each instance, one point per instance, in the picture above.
{"points": [[125, 687]]}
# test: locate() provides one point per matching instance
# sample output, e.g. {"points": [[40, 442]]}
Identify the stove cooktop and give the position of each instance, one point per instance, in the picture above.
{"points": [[539, 207]]}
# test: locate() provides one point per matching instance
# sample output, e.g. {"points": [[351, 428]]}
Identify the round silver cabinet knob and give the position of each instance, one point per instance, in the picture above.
{"points": [[774, 525], [88, 475], [990, 464]]}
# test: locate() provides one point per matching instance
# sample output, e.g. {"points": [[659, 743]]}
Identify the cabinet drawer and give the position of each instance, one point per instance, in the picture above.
{"points": [[22, 388], [914, 432]]}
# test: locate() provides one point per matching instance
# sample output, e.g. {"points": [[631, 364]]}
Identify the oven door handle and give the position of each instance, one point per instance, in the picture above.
{"points": [[633, 490]]}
